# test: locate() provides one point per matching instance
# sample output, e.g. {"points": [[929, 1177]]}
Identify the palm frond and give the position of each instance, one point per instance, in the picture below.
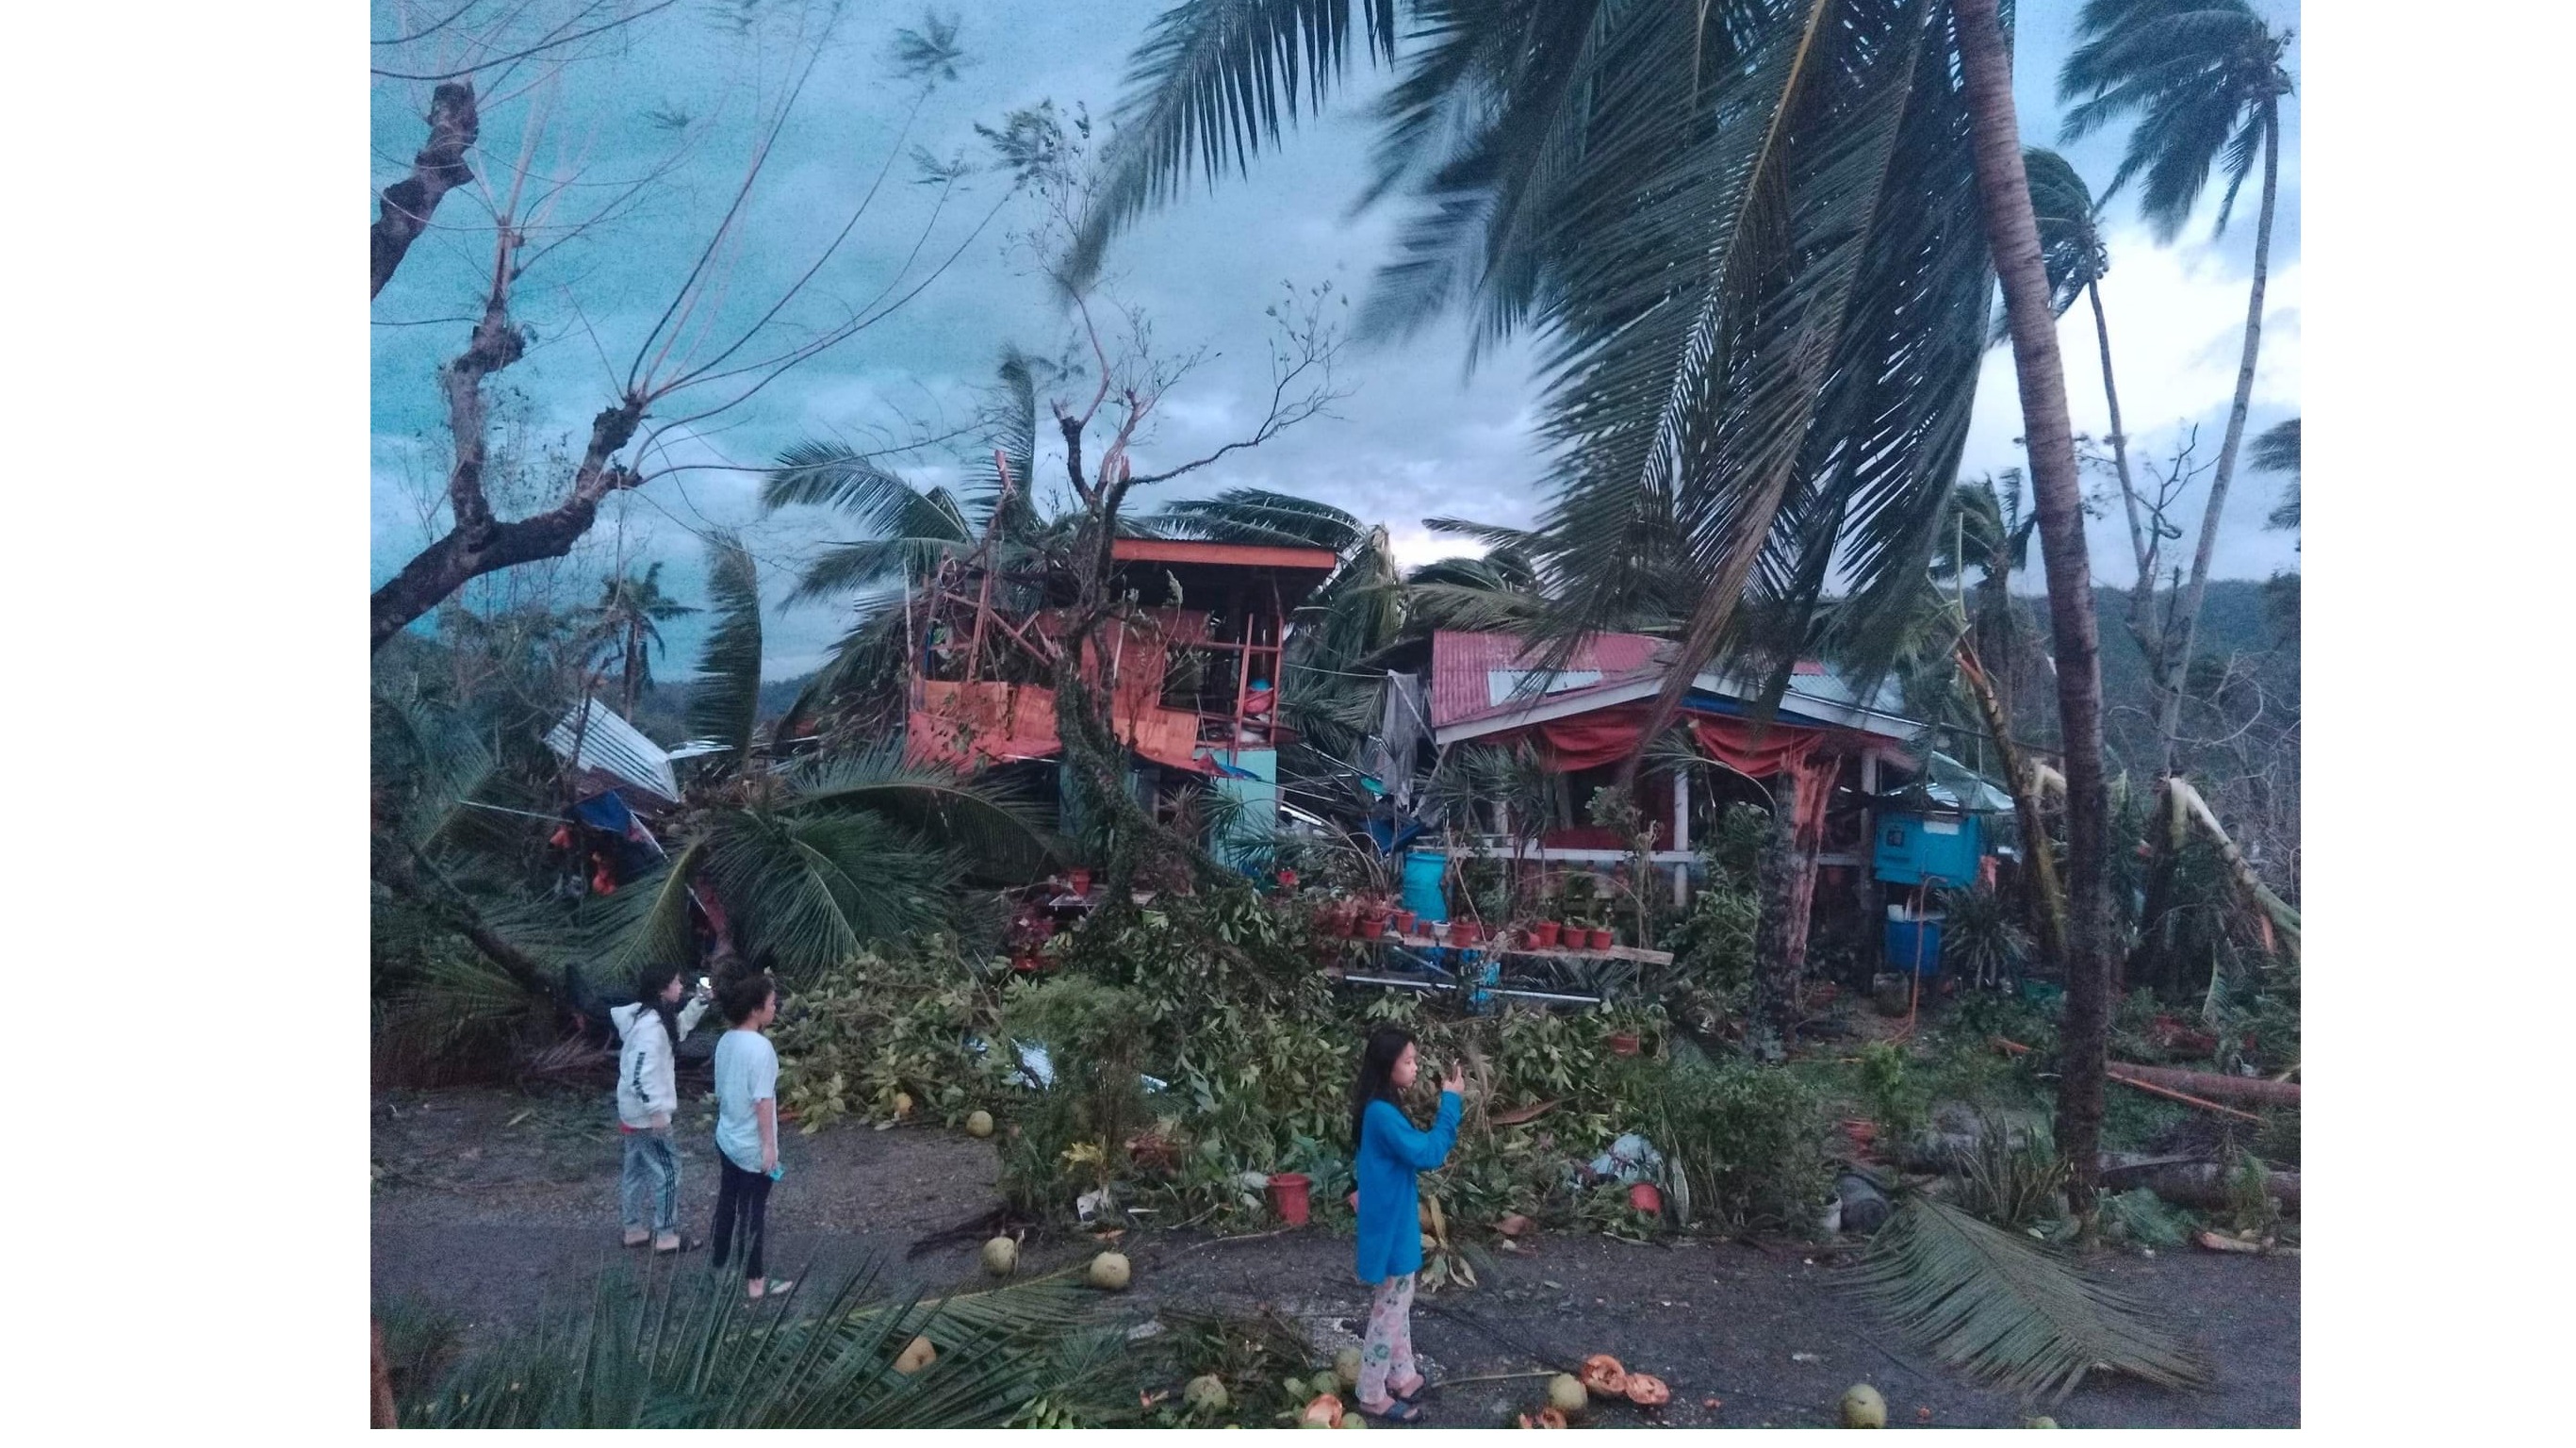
{"points": [[1207, 87], [2276, 449], [2200, 79], [2010, 1312], [686, 1350], [2070, 238], [814, 888], [1001, 829], [1259, 516], [724, 700]]}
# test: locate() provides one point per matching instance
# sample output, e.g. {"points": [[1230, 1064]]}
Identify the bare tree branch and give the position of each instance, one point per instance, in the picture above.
{"points": [[551, 42]]}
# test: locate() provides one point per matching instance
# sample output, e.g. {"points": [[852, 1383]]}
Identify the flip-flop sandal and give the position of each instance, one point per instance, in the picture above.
{"points": [[687, 1244], [1417, 1391], [773, 1287], [1401, 1413], [644, 1241]]}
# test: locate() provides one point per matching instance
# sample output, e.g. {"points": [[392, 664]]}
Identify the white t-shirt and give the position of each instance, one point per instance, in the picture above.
{"points": [[746, 1074]]}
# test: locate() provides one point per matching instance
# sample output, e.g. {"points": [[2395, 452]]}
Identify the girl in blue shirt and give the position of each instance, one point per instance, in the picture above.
{"points": [[1390, 1151]]}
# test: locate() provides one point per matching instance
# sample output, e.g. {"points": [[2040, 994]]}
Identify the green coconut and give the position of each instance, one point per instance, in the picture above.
{"points": [[1001, 1256], [2042, 1421], [1346, 1366], [979, 1124], [1206, 1393], [1109, 1272], [1863, 1408]]}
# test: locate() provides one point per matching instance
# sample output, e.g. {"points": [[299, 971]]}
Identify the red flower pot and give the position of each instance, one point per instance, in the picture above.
{"points": [[1623, 1044], [1404, 922], [1542, 936], [1603, 940], [1372, 922], [1464, 932], [1645, 1198], [1082, 883], [1288, 1197]]}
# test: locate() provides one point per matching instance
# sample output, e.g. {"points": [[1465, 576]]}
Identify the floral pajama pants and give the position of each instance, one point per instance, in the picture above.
{"points": [[1386, 1354]]}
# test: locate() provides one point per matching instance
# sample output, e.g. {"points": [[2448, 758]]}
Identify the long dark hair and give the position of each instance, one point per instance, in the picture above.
{"points": [[650, 982], [1377, 1065]]}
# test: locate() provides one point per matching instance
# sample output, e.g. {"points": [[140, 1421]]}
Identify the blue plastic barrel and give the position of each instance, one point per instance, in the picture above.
{"points": [[1901, 936], [1422, 872]]}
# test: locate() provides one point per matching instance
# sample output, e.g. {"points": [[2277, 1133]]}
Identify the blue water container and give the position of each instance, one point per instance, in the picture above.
{"points": [[1901, 936], [1422, 872]]}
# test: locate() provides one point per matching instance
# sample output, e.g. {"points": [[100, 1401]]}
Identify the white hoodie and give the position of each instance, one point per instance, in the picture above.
{"points": [[647, 1074]]}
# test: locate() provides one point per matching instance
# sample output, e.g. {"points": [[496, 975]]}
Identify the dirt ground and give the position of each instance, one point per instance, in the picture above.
{"points": [[485, 1198]]}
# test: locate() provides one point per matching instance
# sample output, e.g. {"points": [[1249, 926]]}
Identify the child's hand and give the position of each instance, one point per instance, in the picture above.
{"points": [[1454, 1078]]}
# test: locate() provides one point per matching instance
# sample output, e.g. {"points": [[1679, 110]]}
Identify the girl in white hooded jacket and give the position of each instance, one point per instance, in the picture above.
{"points": [[648, 1093]]}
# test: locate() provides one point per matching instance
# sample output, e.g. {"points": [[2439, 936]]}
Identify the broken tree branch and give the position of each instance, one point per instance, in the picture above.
{"points": [[404, 209]]}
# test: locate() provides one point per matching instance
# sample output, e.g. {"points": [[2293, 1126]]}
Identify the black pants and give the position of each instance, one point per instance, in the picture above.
{"points": [[743, 1193]]}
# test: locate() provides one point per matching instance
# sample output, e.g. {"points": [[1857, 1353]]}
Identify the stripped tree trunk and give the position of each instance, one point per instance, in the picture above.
{"points": [[2039, 851], [2178, 661], [382, 1413], [2058, 496]]}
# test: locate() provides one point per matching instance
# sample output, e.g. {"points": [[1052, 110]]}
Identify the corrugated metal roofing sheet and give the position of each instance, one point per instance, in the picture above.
{"points": [[1473, 676], [615, 748], [1463, 666]]}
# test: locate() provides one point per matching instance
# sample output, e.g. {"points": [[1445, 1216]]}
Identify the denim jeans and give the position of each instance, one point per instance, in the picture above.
{"points": [[652, 1169]]}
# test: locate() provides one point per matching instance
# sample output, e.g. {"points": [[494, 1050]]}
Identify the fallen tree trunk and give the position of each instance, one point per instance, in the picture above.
{"points": [[2214, 1085], [2201, 1184]]}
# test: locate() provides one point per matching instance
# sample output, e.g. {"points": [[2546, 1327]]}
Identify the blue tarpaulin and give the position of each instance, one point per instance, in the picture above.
{"points": [[606, 813]]}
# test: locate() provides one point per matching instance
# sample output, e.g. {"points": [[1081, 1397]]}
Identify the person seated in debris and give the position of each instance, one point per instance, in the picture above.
{"points": [[1390, 1151], [747, 1129], [648, 1093]]}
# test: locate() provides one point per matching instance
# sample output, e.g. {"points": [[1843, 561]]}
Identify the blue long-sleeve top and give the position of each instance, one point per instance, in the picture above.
{"points": [[1391, 1152]]}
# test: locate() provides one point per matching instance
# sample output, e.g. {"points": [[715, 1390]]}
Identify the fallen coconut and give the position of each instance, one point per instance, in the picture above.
{"points": [[979, 1124], [1206, 1393], [1565, 1394], [1346, 1366], [1323, 1411], [1648, 1391], [1603, 1375], [1001, 1255], [902, 1105], [2042, 1421], [1109, 1272], [1862, 1407], [918, 1354], [1353, 1420]]}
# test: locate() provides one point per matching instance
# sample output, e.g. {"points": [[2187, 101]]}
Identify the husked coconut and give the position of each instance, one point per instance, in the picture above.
{"points": [[1001, 1256], [1565, 1394], [1862, 1407], [979, 1124], [1109, 1272], [917, 1354]]}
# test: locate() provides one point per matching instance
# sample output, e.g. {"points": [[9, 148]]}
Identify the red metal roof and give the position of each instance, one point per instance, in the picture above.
{"points": [[1463, 664], [1238, 555]]}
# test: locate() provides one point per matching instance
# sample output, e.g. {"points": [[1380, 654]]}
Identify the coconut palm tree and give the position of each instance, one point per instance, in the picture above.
{"points": [[811, 858], [628, 619], [2071, 245], [2203, 82], [1755, 240]]}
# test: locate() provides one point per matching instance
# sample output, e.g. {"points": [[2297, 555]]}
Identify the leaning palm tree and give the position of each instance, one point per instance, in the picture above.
{"points": [[2203, 82], [1755, 240], [811, 859]]}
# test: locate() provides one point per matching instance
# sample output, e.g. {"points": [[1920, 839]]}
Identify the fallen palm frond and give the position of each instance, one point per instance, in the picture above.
{"points": [[2010, 1312], [671, 1354]]}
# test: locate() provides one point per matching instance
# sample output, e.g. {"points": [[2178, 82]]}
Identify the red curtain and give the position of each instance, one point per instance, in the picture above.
{"points": [[1588, 741]]}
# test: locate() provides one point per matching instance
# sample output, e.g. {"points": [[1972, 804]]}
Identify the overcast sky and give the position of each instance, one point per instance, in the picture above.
{"points": [[1418, 436]]}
